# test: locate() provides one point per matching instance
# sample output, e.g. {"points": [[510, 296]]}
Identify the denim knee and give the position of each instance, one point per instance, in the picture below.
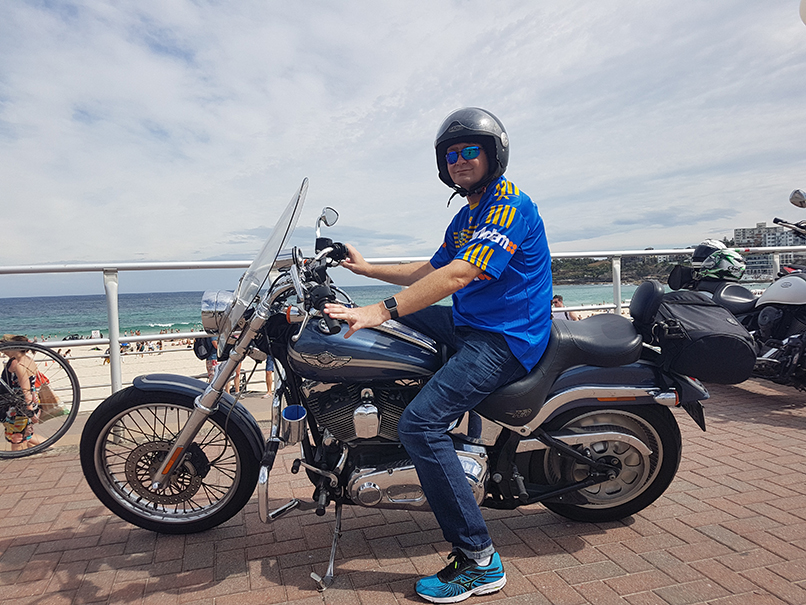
{"points": [[407, 428]]}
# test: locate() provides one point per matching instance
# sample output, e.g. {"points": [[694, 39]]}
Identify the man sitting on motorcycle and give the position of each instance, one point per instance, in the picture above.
{"points": [[495, 263]]}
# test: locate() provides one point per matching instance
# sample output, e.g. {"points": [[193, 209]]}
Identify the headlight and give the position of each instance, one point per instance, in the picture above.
{"points": [[213, 309]]}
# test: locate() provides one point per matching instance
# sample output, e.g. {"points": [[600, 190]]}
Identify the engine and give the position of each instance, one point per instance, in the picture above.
{"points": [[360, 411], [382, 475]]}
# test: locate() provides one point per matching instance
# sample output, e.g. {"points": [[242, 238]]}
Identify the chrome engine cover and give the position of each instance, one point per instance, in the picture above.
{"points": [[397, 486]]}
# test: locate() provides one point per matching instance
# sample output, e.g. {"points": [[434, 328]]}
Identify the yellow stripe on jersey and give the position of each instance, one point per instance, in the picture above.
{"points": [[487, 258], [478, 255], [477, 248], [504, 189], [460, 238], [511, 216], [501, 216]]}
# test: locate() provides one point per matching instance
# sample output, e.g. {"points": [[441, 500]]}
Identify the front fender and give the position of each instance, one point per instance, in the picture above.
{"points": [[192, 387]]}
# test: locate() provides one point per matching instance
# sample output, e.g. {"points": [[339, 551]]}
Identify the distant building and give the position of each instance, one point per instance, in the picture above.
{"points": [[762, 236], [675, 258]]}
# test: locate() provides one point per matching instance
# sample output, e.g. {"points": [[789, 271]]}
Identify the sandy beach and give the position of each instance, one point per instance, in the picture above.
{"points": [[95, 378]]}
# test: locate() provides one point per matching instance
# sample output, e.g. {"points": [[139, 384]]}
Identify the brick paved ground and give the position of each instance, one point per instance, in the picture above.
{"points": [[730, 530]]}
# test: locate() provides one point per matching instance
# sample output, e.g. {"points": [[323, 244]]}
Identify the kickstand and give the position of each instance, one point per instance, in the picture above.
{"points": [[328, 579]]}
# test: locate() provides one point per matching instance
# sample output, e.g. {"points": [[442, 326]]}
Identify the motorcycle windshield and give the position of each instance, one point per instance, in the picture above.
{"points": [[254, 278]]}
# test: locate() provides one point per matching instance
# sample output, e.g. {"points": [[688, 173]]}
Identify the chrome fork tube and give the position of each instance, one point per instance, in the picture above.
{"points": [[206, 404]]}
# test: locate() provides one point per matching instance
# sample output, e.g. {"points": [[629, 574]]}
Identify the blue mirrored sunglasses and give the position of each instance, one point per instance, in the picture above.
{"points": [[468, 153]]}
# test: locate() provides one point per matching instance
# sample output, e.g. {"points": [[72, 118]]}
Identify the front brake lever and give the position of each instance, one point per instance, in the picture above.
{"points": [[305, 318]]}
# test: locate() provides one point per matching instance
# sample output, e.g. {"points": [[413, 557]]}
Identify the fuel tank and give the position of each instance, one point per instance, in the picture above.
{"points": [[390, 352], [789, 290]]}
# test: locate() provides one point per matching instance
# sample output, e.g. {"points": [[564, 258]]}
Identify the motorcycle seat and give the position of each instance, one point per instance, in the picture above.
{"points": [[735, 298], [603, 340]]}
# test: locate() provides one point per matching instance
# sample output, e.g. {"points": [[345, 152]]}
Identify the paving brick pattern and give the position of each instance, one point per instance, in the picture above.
{"points": [[731, 530]]}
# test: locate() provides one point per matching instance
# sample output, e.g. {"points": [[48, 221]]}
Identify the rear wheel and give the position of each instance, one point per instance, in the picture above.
{"points": [[641, 478], [128, 436]]}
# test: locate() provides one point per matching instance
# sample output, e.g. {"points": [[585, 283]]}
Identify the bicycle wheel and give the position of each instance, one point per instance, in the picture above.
{"points": [[50, 383]]}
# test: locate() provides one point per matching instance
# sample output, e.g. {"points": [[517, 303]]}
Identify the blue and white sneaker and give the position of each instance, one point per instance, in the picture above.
{"points": [[462, 578]]}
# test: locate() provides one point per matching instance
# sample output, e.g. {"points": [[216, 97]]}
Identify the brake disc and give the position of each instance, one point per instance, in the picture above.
{"points": [[143, 461]]}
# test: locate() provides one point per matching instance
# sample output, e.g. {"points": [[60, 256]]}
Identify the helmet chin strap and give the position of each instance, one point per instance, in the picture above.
{"points": [[479, 188]]}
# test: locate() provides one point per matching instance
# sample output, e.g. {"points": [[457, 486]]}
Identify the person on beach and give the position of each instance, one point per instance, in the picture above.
{"points": [[233, 386], [269, 377], [556, 303], [495, 263], [19, 407], [212, 361]]}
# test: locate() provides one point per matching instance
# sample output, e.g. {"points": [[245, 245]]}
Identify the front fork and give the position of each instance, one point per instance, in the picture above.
{"points": [[206, 404]]}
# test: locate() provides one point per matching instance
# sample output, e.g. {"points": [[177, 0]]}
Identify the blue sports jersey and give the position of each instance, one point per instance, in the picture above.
{"points": [[503, 235]]}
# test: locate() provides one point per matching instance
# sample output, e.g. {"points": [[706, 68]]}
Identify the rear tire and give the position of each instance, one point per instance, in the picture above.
{"points": [[641, 480], [128, 436]]}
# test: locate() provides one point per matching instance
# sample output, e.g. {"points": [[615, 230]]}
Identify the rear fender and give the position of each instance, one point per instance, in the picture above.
{"points": [[184, 385], [639, 383]]}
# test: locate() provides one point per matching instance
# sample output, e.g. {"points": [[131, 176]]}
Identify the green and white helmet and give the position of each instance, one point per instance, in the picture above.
{"points": [[722, 264]]}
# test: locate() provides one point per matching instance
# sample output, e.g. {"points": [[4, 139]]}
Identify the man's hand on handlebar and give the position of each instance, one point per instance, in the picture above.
{"points": [[355, 262]]}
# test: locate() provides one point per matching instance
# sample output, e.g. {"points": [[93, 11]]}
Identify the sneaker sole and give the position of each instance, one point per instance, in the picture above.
{"points": [[478, 590]]}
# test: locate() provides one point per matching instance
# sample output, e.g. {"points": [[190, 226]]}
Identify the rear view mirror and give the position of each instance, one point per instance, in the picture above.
{"points": [[329, 217], [798, 198]]}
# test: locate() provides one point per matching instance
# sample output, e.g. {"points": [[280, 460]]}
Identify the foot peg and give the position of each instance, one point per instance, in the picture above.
{"points": [[266, 515]]}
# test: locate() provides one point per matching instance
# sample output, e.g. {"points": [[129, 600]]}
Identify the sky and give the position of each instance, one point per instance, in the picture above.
{"points": [[178, 130]]}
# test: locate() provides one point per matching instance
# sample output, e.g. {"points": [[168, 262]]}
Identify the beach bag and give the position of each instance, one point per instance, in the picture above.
{"points": [[203, 348], [700, 338], [49, 403]]}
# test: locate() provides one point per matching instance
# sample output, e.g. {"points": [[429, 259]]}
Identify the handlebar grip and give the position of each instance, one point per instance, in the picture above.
{"points": [[778, 220], [339, 252], [333, 325], [321, 295]]}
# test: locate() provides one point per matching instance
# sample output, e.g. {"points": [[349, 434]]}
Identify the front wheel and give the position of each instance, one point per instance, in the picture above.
{"points": [[128, 436], [641, 478]]}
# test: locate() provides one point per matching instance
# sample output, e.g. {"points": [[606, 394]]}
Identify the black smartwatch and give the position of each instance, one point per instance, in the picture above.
{"points": [[391, 306]]}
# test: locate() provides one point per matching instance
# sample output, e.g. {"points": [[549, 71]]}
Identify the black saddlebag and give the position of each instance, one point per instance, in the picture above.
{"points": [[699, 338]]}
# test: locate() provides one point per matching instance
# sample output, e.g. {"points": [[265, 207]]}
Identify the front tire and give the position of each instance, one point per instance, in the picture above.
{"points": [[127, 437], [641, 479]]}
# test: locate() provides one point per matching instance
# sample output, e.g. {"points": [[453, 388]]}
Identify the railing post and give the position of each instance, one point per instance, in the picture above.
{"points": [[616, 260], [776, 264], [111, 289]]}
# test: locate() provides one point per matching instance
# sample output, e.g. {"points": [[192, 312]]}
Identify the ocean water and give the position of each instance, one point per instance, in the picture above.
{"points": [[54, 317]]}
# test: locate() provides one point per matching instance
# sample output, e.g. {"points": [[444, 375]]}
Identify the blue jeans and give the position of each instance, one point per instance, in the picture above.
{"points": [[481, 364]]}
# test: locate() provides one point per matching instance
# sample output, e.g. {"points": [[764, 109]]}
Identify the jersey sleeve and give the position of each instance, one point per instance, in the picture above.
{"points": [[501, 231]]}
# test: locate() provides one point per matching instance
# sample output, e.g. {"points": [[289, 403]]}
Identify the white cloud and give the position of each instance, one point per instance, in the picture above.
{"points": [[173, 131]]}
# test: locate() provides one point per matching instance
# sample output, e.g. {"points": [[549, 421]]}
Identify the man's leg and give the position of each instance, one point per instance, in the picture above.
{"points": [[482, 364], [436, 322]]}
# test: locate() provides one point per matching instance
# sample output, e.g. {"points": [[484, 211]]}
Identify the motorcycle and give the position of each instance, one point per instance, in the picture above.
{"points": [[776, 319], [589, 433]]}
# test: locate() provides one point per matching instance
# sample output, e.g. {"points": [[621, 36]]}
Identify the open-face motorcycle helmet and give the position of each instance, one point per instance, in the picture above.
{"points": [[704, 250], [722, 265], [473, 125]]}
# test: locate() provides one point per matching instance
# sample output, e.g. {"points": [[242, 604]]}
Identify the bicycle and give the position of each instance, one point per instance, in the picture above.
{"points": [[38, 412]]}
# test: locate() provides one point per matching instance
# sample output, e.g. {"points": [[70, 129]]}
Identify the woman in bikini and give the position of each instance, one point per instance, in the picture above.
{"points": [[19, 408]]}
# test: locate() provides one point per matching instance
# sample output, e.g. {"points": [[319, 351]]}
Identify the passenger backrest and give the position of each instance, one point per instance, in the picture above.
{"points": [[645, 302]]}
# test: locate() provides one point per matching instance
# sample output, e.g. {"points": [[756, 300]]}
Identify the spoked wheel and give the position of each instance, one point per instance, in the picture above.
{"points": [[39, 398], [126, 440], [641, 478]]}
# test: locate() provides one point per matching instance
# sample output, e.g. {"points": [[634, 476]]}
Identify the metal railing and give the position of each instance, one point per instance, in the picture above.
{"points": [[111, 271]]}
